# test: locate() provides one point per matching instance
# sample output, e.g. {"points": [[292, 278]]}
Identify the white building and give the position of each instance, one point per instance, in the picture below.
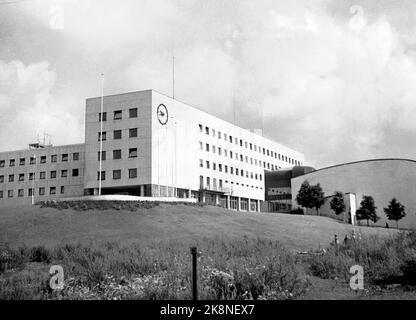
{"points": [[178, 151], [156, 146]]}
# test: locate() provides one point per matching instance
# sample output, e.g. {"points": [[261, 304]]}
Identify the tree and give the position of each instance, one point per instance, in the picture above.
{"points": [[395, 211], [310, 196], [367, 210], [337, 203]]}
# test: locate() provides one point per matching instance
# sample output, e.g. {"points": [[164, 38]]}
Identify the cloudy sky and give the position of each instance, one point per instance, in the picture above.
{"points": [[333, 79]]}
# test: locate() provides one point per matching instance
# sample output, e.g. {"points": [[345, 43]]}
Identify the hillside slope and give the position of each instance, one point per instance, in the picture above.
{"points": [[47, 226]]}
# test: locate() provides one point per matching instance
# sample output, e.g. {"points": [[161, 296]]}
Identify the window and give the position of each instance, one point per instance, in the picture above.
{"points": [[31, 175], [20, 193], [42, 175], [62, 189], [214, 166], [220, 167], [116, 154], [132, 173], [116, 174], [231, 139], [207, 130], [10, 193], [104, 136], [133, 133], [207, 147], [208, 182], [11, 163], [226, 169], [133, 153], [43, 159], [200, 128], [21, 177], [219, 134], [104, 117], [22, 161], [207, 164], [65, 157], [53, 174], [133, 112], [64, 173], [102, 175], [201, 182], [201, 163], [32, 160], [1, 179], [241, 142], [103, 155], [2, 163], [30, 192], [11, 178], [116, 134], [52, 190], [219, 151], [54, 158], [75, 156], [117, 115], [213, 149], [42, 191], [201, 145], [213, 132], [1, 194], [75, 172]]}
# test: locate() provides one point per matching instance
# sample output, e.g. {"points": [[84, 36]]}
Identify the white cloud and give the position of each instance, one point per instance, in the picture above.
{"points": [[26, 110]]}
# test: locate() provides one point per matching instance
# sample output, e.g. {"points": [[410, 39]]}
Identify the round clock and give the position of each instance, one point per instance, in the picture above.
{"points": [[162, 114]]}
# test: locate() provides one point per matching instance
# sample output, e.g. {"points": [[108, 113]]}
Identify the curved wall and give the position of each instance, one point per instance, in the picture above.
{"points": [[382, 179]]}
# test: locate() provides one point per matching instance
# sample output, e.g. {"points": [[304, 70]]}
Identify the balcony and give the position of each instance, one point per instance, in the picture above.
{"points": [[225, 190]]}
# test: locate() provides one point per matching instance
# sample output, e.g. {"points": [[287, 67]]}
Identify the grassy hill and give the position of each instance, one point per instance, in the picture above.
{"points": [[33, 225]]}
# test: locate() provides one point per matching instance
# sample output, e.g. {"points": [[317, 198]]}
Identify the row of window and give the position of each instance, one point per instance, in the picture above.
{"points": [[118, 115], [41, 192], [237, 171], [248, 145], [117, 134], [42, 159], [220, 184], [132, 173], [42, 175], [117, 154], [231, 154]]}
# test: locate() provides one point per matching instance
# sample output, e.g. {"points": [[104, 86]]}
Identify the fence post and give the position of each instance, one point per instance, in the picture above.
{"points": [[336, 243], [194, 273]]}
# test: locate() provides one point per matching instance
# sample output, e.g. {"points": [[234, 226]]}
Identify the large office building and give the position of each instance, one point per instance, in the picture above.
{"points": [[151, 146]]}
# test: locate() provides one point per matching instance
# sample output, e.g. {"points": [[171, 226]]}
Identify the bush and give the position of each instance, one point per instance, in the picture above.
{"points": [[297, 211]]}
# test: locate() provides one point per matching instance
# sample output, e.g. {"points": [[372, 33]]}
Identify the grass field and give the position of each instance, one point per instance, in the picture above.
{"points": [[32, 225], [129, 252]]}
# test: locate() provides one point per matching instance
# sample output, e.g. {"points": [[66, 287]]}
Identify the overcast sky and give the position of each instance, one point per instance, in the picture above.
{"points": [[333, 79]]}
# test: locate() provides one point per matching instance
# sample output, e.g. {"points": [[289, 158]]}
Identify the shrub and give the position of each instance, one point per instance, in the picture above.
{"points": [[297, 211]]}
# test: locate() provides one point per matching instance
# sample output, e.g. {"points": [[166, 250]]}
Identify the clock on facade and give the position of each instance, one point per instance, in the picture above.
{"points": [[162, 114]]}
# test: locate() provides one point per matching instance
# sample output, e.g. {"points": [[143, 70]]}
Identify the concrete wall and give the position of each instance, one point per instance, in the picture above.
{"points": [[382, 179], [73, 186], [140, 100]]}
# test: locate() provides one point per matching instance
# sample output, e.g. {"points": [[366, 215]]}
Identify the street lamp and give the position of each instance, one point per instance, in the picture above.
{"points": [[33, 181]]}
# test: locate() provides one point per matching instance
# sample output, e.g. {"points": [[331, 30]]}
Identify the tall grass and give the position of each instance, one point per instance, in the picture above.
{"points": [[228, 269], [383, 260]]}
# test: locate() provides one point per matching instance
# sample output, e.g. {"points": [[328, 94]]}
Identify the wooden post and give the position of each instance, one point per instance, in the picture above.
{"points": [[194, 273]]}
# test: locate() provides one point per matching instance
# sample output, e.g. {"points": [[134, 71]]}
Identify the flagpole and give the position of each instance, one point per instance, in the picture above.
{"points": [[101, 133]]}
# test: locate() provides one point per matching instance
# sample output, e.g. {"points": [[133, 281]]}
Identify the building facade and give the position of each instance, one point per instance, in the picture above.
{"points": [[46, 172], [153, 145]]}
